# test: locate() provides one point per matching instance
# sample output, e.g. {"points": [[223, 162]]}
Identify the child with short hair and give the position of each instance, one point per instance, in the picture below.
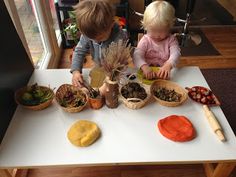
{"points": [[158, 47], [95, 20]]}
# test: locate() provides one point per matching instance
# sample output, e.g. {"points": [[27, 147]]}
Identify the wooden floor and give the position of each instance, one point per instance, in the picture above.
{"points": [[122, 171], [224, 40]]}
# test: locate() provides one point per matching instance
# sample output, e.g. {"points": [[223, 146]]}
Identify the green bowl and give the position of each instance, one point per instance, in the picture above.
{"points": [[141, 77]]}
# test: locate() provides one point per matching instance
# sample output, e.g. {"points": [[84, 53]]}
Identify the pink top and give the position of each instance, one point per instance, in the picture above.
{"points": [[156, 53]]}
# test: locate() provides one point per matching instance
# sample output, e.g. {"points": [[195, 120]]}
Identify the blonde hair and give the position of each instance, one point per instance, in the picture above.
{"points": [[94, 17], [158, 13]]}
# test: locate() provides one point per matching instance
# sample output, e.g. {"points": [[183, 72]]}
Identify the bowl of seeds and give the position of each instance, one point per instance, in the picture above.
{"points": [[134, 95], [168, 93]]}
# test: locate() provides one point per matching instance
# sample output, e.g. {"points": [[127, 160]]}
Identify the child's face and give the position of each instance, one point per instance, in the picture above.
{"points": [[104, 36], [158, 33]]}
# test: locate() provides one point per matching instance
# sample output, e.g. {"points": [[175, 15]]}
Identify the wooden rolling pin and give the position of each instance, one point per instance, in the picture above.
{"points": [[214, 123]]}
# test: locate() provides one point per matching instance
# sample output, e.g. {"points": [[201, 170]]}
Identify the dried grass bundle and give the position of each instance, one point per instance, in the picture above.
{"points": [[116, 58]]}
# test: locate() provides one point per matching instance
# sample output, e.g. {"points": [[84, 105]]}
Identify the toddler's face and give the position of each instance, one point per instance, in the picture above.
{"points": [[103, 36], [158, 33]]}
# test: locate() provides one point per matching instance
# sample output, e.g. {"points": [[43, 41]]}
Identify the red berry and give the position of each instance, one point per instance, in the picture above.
{"points": [[209, 97]]}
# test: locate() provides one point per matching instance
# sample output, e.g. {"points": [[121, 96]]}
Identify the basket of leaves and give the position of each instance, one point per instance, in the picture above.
{"points": [[34, 97], [71, 98], [168, 93], [133, 95]]}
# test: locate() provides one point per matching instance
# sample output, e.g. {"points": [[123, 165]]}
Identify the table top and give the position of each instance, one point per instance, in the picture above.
{"points": [[38, 138]]}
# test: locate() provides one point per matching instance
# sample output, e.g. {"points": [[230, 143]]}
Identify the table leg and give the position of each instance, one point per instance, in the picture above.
{"points": [[221, 169]]}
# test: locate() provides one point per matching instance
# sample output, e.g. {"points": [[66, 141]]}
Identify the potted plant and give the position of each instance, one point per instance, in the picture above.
{"points": [[70, 29]]}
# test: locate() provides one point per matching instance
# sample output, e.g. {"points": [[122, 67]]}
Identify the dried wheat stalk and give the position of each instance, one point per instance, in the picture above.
{"points": [[116, 58]]}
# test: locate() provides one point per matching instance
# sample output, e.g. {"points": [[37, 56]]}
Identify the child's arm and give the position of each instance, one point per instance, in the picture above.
{"points": [[139, 59], [147, 71], [77, 78], [174, 51], [139, 62], [79, 54], [78, 59], [164, 72]]}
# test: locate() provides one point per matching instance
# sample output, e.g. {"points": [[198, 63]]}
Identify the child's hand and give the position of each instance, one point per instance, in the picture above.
{"points": [[77, 79], [147, 72], [164, 72]]}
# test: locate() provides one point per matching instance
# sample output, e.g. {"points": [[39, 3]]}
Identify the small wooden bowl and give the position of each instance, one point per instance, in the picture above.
{"points": [[170, 86], [135, 103], [41, 106], [63, 89]]}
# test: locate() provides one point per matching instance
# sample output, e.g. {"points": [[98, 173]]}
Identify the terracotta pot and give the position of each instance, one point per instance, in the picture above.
{"points": [[96, 103]]}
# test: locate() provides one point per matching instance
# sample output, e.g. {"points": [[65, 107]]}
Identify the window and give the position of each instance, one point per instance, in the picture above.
{"points": [[33, 20]]}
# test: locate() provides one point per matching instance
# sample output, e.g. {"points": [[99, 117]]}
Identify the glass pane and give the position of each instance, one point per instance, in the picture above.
{"points": [[54, 17], [30, 27]]}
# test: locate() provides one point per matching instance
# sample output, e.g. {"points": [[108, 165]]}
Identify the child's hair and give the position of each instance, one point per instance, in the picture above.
{"points": [[159, 13], [94, 16]]}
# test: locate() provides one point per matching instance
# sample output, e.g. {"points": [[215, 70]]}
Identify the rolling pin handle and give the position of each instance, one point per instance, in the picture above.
{"points": [[220, 135], [214, 123]]}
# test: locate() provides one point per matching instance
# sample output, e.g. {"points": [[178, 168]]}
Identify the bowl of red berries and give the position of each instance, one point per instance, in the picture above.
{"points": [[202, 95]]}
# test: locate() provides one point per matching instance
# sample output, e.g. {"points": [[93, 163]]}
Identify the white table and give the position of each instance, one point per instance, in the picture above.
{"points": [[38, 138]]}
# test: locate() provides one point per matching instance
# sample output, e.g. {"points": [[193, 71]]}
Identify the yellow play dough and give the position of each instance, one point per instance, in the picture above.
{"points": [[83, 133]]}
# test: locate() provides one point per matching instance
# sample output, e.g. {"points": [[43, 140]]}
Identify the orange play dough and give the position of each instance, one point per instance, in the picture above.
{"points": [[176, 128]]}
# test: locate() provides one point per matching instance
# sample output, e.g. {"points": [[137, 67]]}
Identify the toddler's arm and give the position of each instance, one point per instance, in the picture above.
{"points": [[78, 59], [164, 71], [139, 59], [174, 51], [139, 62], [79, 53], [77, 78]]}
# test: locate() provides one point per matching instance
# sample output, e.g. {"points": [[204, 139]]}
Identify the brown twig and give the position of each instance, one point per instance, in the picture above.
{"points": [[93, 93], [116, 58]]}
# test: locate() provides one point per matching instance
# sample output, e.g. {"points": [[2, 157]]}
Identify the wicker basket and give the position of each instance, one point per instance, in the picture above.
{"points": [[170, 86], [63, 89], [21, 91], [130, 102]]}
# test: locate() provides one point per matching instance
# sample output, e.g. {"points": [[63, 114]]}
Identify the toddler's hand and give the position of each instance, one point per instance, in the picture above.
{"points": [[147, 72], [164, 72], [77, 78]]}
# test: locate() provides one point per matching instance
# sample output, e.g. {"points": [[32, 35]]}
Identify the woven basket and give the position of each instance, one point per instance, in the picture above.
{"points": [[129, 102], [62, 90], [21, 91], [170, 86]]}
